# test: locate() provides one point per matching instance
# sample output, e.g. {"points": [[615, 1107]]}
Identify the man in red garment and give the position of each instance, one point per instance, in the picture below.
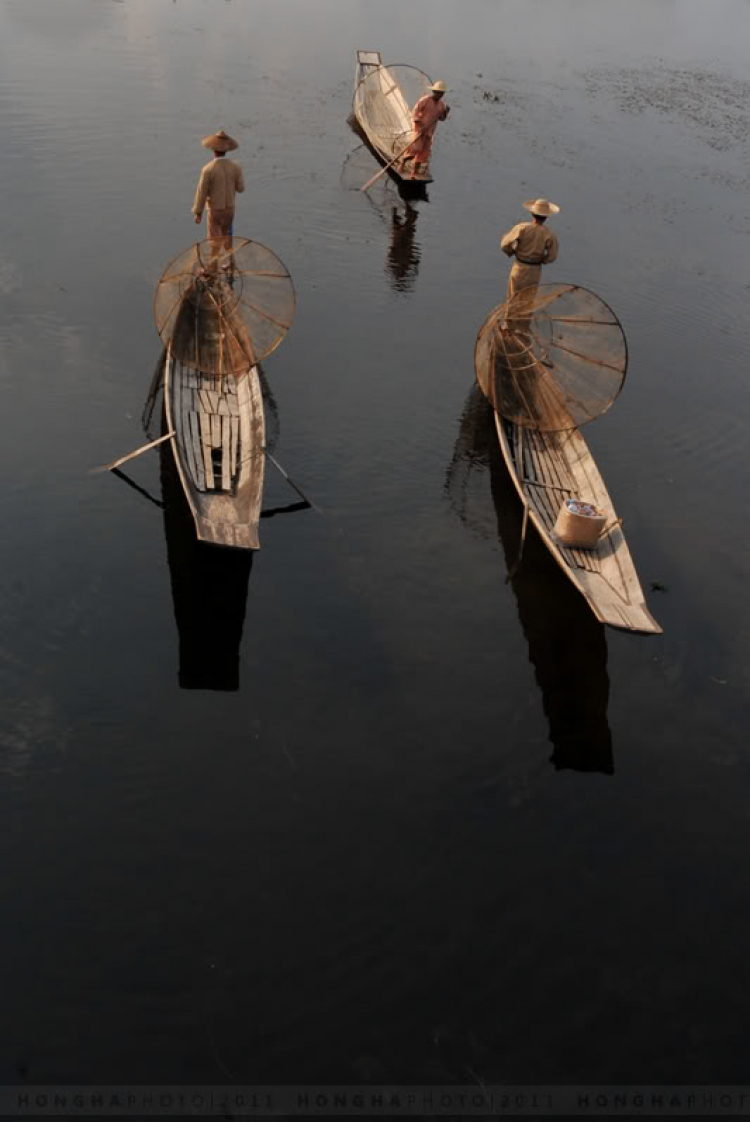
{"points": [[426, 113]]}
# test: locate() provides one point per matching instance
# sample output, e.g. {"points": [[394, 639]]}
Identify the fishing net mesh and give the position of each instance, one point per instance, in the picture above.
{"points": [[552, 358], [383, 104], [224, 304]]}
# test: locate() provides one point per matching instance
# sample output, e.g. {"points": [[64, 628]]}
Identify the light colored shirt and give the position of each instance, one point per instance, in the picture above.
{"points": [[217, 185], [530, 243]]}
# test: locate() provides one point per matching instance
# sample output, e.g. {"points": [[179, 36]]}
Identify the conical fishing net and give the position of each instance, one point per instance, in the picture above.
{"points": [[552, 358], [383, 104], [357, 168], [224, 304]]}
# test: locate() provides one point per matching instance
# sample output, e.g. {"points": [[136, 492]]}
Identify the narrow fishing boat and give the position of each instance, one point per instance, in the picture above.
{"points": [[550, 360], [219, 439], [567, 645], [220, 309], [547, 467], [382, 108]]}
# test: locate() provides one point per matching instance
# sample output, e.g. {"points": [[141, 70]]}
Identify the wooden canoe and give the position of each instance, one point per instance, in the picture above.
{"points": [[549, 467], [567, 645], [218, 447], [383, 98]]}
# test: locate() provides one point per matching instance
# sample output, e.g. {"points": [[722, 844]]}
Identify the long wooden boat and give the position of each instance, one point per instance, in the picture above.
{"points": [[218, 447], [567, 644], [381, 99], [549, 467]]}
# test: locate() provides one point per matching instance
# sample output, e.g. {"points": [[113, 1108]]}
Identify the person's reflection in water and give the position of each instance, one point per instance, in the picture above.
{"points": [[403, 251], [567, 645]]}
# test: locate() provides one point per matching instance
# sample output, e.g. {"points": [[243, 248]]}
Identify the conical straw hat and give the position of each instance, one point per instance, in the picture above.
{"points": [[542, 207], [219, 142]]}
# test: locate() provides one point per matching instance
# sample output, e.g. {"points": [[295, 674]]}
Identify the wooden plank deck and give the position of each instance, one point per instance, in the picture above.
{"points": [[547, 467], [219, 440]]}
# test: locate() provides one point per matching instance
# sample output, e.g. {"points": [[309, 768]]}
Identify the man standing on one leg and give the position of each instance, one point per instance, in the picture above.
{"points": [[219, 182], [426, 113]]}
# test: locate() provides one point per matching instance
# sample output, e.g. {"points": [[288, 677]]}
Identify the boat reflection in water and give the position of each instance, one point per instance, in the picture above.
{"points": [[209, 591], [209, 582], [392, 202], [403, 253], [567, 645]]}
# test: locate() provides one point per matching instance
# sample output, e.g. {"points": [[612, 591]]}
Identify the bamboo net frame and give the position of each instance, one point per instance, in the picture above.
{"points": [[553, 357]]}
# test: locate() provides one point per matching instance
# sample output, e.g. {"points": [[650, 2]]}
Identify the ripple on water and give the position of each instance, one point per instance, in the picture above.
{"points": [[713, 104]]}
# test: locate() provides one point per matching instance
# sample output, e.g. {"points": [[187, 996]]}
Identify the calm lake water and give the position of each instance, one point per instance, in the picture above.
{"points": [[447, 828]]}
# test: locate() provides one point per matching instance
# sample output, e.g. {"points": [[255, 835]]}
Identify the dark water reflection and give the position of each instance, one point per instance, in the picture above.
{"points": [[209, 586], [404, 254], [567, 645], [359, 863], [209, 589], [394, 201]]}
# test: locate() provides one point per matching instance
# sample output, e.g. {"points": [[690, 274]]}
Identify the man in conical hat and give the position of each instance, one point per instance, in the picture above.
{"points": [[532, 245], [425, 116], [220, 180]]}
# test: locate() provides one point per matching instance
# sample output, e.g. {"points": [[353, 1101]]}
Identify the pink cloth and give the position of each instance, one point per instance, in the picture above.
{"points": [[426, 114], [219, 221]]}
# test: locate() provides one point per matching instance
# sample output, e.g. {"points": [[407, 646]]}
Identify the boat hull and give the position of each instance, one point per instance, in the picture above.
{"points": [[384, 149], [218, 447], [549, 467]]}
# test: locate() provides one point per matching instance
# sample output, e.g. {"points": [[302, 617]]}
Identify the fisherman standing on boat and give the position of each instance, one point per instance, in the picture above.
{"points": [[425, 116], [218, 183], [532, 245]]}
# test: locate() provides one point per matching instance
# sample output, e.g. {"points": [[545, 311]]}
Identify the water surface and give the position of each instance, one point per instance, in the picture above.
{"points": [[446, 827]]}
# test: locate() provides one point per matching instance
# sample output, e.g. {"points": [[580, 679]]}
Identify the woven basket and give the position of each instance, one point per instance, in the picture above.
{"points": [[579, 531]]}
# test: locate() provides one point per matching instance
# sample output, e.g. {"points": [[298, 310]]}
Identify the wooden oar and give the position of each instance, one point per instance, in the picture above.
{"points": [[519, 467], [291, 482], [517, 564], [395, 159], [137, 487], [156, 383], [132, 455]]}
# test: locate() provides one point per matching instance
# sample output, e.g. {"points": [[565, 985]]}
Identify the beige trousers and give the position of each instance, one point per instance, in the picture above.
{"points": [[523, 276], [219, 222]]}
